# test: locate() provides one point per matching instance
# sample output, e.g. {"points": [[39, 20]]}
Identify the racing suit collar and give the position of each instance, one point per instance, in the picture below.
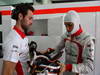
{"points": [[78, 32]]}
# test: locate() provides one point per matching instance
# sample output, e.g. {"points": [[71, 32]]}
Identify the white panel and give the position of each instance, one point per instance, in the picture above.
{"points": [[5, 7], [48, 16], [88, 22], [66, 5], [55, 27], [97, 62], [40, 27], [6, 25]]}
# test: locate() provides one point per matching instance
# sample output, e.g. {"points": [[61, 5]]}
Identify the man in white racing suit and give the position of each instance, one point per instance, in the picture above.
{"points": [[79, 47]]}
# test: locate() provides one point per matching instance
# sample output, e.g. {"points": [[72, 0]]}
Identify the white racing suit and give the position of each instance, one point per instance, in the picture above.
{"points": [[79, 58]]}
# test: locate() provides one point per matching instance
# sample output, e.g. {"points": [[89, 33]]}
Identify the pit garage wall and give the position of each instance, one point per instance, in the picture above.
{"points": [[51, 23], [5, 27], [97, 53]]}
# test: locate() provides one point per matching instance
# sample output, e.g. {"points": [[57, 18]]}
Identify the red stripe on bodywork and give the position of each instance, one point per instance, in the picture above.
{"points": [[6, 12], [59, 10], [64, 10]]}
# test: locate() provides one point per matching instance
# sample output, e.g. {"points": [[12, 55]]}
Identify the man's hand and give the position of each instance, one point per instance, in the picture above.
{"points": [[8, 68], [46, 51], [43, 51], [62, 69]]}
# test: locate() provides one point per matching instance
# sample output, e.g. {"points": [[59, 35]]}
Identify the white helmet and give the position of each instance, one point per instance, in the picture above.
{"points": [[72, 16]]}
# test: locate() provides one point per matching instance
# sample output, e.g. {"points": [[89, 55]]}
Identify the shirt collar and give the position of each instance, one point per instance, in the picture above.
{"points": [[22, 34]]}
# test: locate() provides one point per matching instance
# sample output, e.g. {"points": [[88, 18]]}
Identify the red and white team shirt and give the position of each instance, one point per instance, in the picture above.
{"points": [[15, 49]]}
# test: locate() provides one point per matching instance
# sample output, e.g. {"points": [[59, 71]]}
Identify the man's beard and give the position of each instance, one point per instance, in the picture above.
{"points": [[25, 28]]}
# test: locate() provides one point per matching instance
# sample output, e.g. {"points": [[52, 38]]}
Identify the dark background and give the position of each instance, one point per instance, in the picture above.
{"points": [[0, 18], [0, 36]]}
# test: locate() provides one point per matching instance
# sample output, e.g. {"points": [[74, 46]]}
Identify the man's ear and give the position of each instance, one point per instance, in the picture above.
{"points": [[20, 16]]}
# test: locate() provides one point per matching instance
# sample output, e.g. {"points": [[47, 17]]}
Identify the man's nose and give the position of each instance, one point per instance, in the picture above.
{"points": [[31, 22]]}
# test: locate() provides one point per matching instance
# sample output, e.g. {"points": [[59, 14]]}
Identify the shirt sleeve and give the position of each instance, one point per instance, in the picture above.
{"points": [[10, 51]]}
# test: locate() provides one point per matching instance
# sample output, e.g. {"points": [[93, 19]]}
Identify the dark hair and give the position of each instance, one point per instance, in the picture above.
{"points": [[21, 8]]}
